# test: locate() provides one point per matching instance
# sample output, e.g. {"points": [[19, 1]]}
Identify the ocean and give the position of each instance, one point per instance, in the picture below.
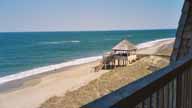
{"points": [[24, 54]]}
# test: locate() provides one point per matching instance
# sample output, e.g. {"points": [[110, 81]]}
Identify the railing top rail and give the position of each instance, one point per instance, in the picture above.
{"points": [[139, 90]]}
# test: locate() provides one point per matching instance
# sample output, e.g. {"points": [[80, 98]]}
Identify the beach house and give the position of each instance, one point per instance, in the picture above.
{"points": [[122, 54]]}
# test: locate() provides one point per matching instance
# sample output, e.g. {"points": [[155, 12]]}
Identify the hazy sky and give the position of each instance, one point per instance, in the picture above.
{"points": [[77, 15]]}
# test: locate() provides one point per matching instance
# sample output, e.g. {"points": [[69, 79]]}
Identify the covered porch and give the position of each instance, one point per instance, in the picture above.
{"points": [[123, 54]]}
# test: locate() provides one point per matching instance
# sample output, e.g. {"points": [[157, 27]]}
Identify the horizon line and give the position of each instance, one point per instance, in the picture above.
{"points": [[91, 30]]}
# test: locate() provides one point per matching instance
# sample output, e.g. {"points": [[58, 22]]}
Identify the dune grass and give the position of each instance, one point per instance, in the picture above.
{"points": [[107, 83]]}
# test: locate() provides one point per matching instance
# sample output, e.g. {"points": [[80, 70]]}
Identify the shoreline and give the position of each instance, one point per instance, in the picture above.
{"points": [[20, 83], [41, 87], [47, 69], [54, 67], [8, 85], [153, 42]]}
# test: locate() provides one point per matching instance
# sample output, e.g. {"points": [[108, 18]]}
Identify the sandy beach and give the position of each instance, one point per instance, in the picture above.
{"points": [[33, 92]]}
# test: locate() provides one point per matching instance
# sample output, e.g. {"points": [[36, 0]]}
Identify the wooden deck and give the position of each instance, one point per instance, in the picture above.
{"points": [[116, 60]]}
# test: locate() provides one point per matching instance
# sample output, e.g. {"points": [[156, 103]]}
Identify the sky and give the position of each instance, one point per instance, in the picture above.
{"points": [[85, 15]]}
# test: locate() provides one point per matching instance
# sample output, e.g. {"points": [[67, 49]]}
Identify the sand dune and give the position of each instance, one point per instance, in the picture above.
{"points": [[162, 47]]}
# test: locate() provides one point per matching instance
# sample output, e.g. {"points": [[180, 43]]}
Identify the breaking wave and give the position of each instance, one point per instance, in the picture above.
{"points": [[58, 42]]}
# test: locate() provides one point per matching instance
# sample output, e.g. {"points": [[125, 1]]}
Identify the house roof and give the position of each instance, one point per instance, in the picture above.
{"points": [[124, 45]]}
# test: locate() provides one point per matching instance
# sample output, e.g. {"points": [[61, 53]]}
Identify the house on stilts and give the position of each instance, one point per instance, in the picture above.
{"points": [[122, 54]]}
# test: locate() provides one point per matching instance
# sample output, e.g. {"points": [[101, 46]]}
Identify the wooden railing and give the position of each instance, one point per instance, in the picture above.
{"points": [[170, 87]]}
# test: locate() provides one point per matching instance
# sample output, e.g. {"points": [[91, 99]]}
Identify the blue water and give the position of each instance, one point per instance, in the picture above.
{"points": [[27, 50]]}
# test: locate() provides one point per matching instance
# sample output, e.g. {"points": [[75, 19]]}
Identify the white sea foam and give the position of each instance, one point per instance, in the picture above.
{"points": [[151, 43], [59, 42], [109, 39], [49, 68], [129, 36]]}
